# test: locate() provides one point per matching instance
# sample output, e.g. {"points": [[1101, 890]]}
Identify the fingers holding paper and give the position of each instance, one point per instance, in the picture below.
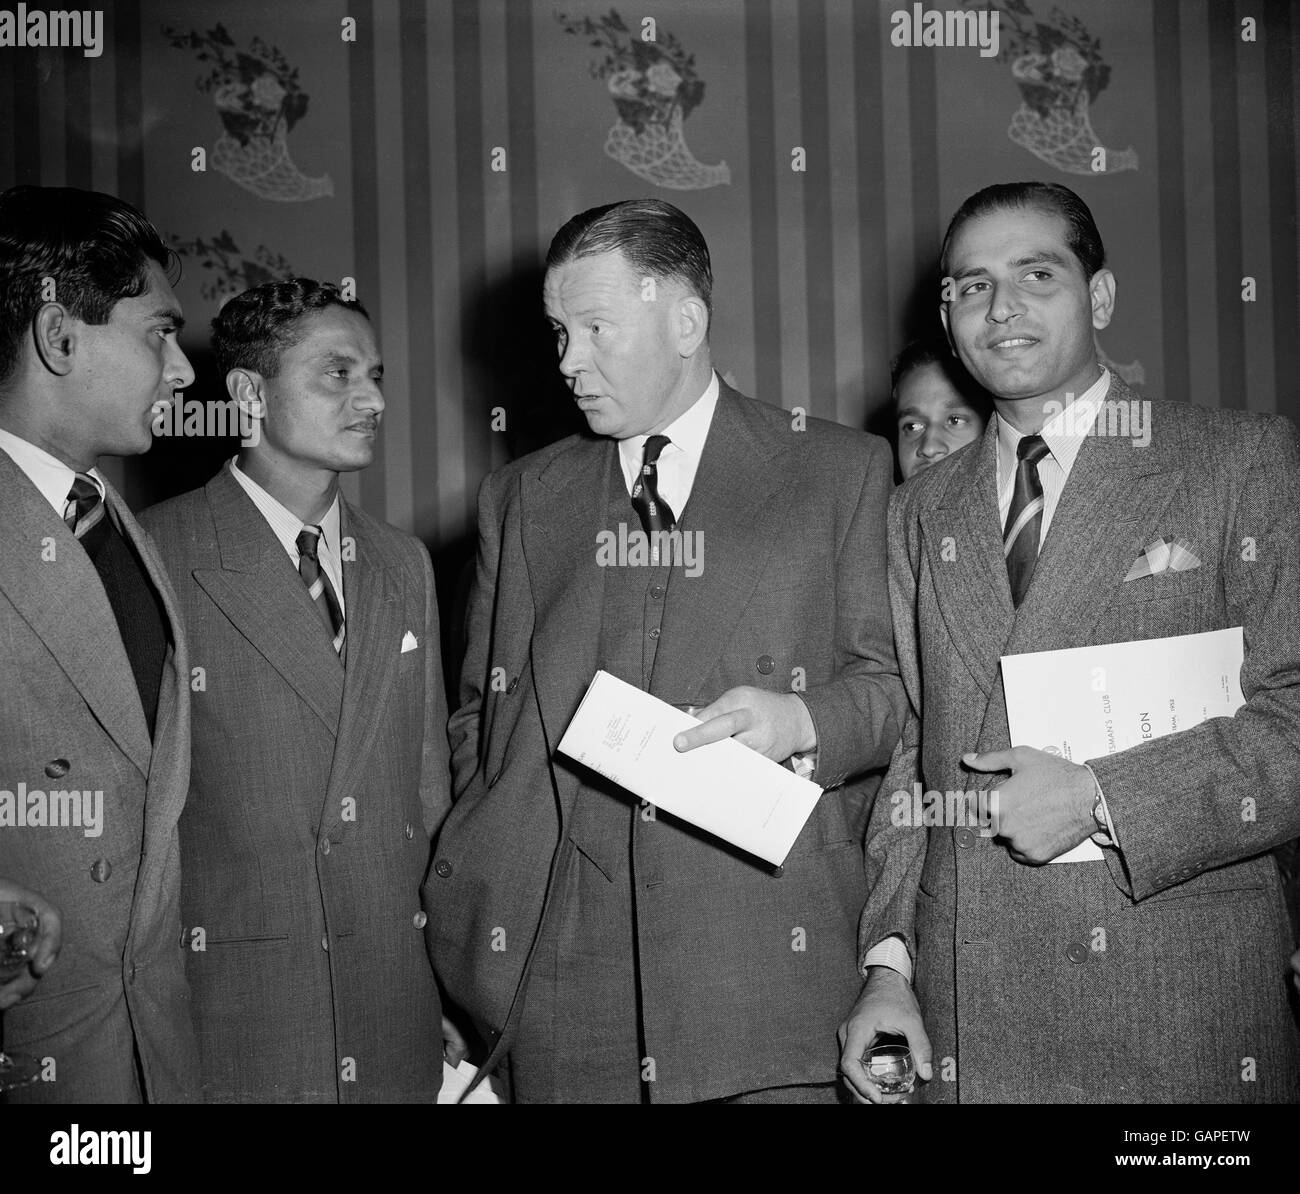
{"points": [[775, 724], [1045, 808]]}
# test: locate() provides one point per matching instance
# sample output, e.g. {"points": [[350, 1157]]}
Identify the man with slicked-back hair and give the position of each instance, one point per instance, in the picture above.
{"points": [[615, 953]]}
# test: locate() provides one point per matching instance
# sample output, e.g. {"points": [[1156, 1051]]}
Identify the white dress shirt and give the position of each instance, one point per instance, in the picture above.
{"points": [[287, 526], [49, 474], [680, 459]]}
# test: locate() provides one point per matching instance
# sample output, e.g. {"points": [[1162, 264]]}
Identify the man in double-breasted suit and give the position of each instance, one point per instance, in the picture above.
{"points": [[320, 753], [619, 955], [94, 728], [1157, 972]]}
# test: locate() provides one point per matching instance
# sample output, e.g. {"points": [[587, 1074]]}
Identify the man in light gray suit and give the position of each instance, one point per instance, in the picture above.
{"points": [[1159, 972], [320, 747], [617, 954], [94, 734]]}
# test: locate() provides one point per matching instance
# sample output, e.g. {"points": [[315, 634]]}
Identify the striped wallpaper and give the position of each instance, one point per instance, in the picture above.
{"points": [[822, 273]]}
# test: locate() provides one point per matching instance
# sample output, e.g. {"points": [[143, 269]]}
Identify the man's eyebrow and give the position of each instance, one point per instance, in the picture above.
{"points": [[335, 357], [1036, 257], [1048, 255], [170, 315]]}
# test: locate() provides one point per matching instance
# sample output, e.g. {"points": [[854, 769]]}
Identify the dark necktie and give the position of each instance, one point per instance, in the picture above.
{"points": [[318, 585], [84, 513], [1025, 518], [656, 515]]}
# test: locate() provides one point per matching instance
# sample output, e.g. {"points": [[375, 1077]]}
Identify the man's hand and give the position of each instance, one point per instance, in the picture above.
{"points": [[776, 724], [886, 1005], [47, 948], [1045, 808], [454, 1048]]}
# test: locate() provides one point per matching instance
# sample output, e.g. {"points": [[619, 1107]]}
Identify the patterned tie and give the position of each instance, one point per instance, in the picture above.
{"points": [[1025, 518], [656, 514], [84, 513], [318, 585]]}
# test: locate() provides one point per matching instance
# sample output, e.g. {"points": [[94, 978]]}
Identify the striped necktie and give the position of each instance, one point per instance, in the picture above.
{"points": [[318, 585], [84, 513], [1025, 518]]}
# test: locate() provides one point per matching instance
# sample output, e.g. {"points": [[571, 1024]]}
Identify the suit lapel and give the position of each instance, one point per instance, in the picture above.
{"points": [[1112, 505], [739, 502], [563, 509], [265, 599], [62, 598], [374, 644], [963, 542]]}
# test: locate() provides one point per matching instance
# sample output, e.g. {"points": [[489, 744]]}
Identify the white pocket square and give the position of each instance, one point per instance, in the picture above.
{"points": [[1163, 555], [409, 642]]}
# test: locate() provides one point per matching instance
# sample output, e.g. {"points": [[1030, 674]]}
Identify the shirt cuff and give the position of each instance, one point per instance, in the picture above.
{"points": [[891, 952], [804, 765], [1110, 837]]}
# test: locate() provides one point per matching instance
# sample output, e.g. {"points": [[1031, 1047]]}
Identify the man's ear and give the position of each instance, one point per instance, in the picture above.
{"points": [[54, 332], [1101, 290], [248, 390], [692, 324]]}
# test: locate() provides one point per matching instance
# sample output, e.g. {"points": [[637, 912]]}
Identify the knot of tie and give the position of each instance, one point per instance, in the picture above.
{"points": [[1032, 448], [308, 538], [84, 508]]}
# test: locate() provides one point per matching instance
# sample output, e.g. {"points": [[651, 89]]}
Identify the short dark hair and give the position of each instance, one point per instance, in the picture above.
{"points": [[253, 328], [656, 238], [95, 248], [931, 350], [1048, 197]]}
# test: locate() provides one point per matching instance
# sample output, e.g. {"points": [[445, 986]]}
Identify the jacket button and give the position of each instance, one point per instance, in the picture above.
{"points": [[965, 838], [778, 872], [442, 868], [101, 870], [657, 592], [325, 944], [766, 664], [1077, 953], [408, 830], [420, 920], [514, 683], [325, 845], [654, 631], [57, 768]]}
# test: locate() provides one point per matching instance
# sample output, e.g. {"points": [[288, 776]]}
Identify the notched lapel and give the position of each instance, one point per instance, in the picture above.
{"points": [[738, 504], [963, 546], [563, 509], [374, 643], [266, 601], [64, 602], [1112, 506]]}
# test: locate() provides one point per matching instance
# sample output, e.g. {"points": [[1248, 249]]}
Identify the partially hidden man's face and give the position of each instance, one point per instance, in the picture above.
{"points": [[130, 366], [324, 407], [934, 419], [1023, 316], [616, 335]]}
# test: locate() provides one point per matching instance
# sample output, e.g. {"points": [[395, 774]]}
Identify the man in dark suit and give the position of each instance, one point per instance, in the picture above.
{"points": [[320, 751], [617, 954], [94, 734], [1158, 971]]}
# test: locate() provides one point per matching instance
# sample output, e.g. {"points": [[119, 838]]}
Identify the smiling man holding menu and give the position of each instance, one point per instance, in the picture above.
{"points": [[1156, 972], [617, 954]]}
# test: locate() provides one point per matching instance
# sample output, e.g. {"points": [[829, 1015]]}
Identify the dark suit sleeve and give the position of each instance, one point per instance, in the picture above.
{"points": [[463, 728], [858, 715], [1227, 789], [895, 854], [434, 769]]}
